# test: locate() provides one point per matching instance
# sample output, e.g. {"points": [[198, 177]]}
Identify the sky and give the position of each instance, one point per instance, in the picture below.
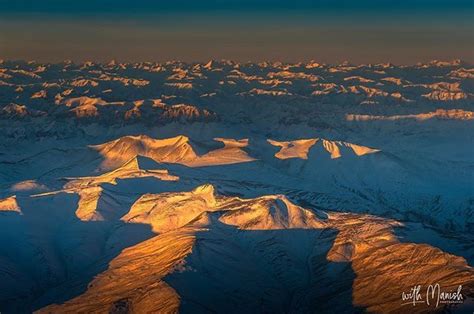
{"points": [[331, 31]]}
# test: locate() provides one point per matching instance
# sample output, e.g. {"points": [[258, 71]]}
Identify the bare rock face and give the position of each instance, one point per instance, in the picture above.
{"points": [[15, 110]]}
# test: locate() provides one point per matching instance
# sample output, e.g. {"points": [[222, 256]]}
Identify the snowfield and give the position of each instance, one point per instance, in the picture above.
{"points": [[234, 187]]}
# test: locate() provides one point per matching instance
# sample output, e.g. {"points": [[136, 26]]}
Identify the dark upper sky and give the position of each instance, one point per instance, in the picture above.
{"points": [[94, 6], [400, 31]]}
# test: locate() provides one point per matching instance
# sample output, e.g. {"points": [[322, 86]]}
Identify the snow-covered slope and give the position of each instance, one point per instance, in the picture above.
{"points": [[171, 150], [234, 187], [224, 254]]}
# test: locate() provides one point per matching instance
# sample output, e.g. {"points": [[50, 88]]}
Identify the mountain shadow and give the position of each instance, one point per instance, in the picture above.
{"points": [[50, 255], [263, 271]]}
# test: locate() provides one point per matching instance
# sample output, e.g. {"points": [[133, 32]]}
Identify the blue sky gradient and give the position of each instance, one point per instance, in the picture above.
{"points": [[402, 31], [96, 6]]}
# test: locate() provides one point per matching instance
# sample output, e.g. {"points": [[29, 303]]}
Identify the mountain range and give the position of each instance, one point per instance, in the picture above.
{"points": [[235, 187]]}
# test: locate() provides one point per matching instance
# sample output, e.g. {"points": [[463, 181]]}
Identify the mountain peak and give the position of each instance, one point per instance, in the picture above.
{"points": [[209, 65], [206, 189], [9, 204], [302, 147]]}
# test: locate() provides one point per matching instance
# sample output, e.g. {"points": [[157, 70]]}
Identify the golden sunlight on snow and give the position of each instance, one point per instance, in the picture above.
{"points": [[9, 204], [193, 224], [172, 150], [300, 148]]}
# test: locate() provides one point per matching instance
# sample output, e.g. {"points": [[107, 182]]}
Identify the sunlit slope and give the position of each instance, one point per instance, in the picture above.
{"points": [[217, 253], [172, 150]]}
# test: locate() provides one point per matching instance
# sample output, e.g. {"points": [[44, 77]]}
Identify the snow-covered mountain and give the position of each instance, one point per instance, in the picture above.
{"points": [[234, 187]]}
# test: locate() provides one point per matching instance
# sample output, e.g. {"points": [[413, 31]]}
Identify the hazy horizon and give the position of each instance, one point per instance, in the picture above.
{"points": [[330, 32]]}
